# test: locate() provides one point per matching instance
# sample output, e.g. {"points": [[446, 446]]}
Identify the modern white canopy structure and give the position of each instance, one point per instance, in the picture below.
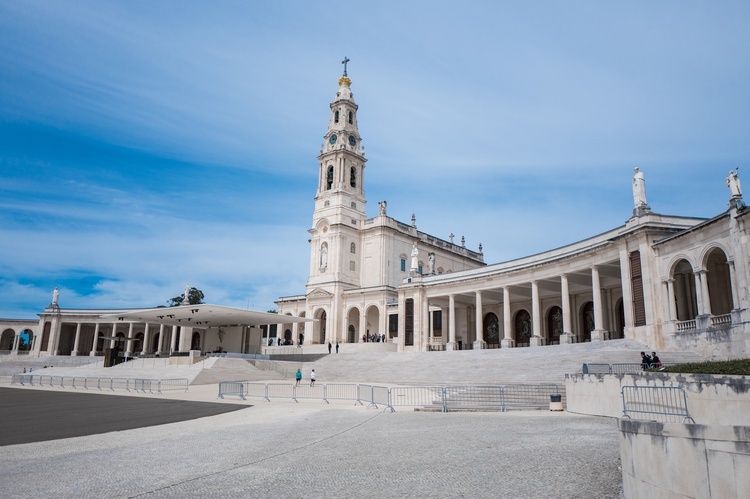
{"points": [[203, 316]]}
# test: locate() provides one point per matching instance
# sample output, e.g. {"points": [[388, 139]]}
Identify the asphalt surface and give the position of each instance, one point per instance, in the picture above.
{"points": [[28, 416]]}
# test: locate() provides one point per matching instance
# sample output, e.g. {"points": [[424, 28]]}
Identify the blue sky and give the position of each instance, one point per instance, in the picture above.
{"points": [[144, 145]]}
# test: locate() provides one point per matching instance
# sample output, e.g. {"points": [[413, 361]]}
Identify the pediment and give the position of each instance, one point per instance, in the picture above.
{"points": [[319, 293]]}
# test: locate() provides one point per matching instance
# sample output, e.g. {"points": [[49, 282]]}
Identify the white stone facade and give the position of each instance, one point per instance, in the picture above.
{"points": [[668, 281]]}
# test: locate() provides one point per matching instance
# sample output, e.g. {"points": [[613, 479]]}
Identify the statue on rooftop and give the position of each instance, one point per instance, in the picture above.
{"points": [[55, 296], [733, 182], [639, 188], [414, 258]]}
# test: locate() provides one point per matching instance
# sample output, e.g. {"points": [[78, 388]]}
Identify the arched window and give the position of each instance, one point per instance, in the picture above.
{"points": [[351, 118], [554, 324], [353, 177], [491, 329], [353, 248], [336, 117], [523, 327], [329, 178]]}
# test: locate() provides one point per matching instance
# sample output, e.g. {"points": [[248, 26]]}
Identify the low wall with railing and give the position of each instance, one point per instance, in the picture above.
{"points": [[684, 460], [439, 398], [722, 400], [139, 385]]}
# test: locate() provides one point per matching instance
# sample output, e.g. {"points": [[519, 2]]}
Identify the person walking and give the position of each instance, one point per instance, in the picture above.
{"points": [[298, 376], [312, 378], [329, 347], [337, 347]]}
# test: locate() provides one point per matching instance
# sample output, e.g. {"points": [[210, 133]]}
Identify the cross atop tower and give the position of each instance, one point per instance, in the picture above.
{"points": [[344, 62]]}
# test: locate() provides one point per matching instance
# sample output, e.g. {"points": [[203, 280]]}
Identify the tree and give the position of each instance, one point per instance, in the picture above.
{"points": [[195, 297]]}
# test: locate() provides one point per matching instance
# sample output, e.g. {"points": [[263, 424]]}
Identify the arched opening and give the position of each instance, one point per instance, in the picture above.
{"points": [[719, 284], [155, 342], [372, 324], [25, 340], [138, 344], [619, 320], [195, 342], [329, 178], [6, 340], [554, 325], [353, 176], [353, 325], [351, 118], [288, 337], [319, 328], [491, 330], [522, 328], [45, 336], [684, 291], [336, 117], [587, 320]]}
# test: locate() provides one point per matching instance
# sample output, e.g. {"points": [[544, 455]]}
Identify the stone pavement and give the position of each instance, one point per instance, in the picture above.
{"points": [[311, 450]]}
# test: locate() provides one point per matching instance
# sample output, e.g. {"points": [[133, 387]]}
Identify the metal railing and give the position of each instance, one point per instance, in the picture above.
{"points": [[658, 403], [442, 398], [138, 385], [622, 368]]}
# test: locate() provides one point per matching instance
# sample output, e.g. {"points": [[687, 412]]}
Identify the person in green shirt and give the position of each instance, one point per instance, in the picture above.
{"points": [[298, 376]]}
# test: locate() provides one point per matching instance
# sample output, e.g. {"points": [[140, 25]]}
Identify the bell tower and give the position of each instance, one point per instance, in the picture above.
{"points": [[340, 198]]}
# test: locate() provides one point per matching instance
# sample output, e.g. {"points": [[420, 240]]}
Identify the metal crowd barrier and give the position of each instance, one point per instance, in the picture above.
{"points": [[501, 398], [662, 403], [139, 385]]}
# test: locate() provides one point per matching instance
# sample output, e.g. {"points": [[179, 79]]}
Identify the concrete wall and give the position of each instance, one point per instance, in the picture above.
{"points": [[675, 460], [720, 400]]}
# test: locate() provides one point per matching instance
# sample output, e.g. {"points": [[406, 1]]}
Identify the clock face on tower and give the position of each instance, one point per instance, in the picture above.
{"points": [[352, 141], [333, 139]]}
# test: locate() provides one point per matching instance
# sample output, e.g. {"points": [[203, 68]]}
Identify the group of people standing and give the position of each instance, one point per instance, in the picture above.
{"points": [[298, 377], [373, 338], [649, 361]]}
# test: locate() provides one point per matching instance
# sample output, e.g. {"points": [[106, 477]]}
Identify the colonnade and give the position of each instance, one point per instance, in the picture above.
{"points": [[431, 298]]}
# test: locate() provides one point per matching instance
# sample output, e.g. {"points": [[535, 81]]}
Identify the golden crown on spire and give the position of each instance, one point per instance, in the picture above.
{"points": [[345, 81]]}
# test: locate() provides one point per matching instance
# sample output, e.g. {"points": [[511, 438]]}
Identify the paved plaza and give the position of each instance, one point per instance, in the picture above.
{"points": [[282, 449]]}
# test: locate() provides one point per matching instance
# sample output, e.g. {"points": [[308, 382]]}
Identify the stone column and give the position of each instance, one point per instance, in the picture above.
{"points": [[627, 291], [507, 341], [536, 317], [671, 302], [173, 342], [451, 345], [160, 344], [479, 343], [598, 333], [96, 340], [129, 348], [733, 282], [426, 326], [698, 293], [113, 343], [77, 340], [567, 336], [146, 338], [401, 322], [705, 295], [16, 339]]}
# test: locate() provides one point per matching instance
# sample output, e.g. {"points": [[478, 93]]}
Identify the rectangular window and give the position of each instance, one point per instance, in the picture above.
{"points": [[351, 266], [393, 323], [403, 265], [636, 279], [409, 322], [437, 323]]}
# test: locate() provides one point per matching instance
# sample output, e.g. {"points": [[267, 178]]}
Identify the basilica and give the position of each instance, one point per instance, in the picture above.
{"points": [[670, 282], [667, 281]]}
